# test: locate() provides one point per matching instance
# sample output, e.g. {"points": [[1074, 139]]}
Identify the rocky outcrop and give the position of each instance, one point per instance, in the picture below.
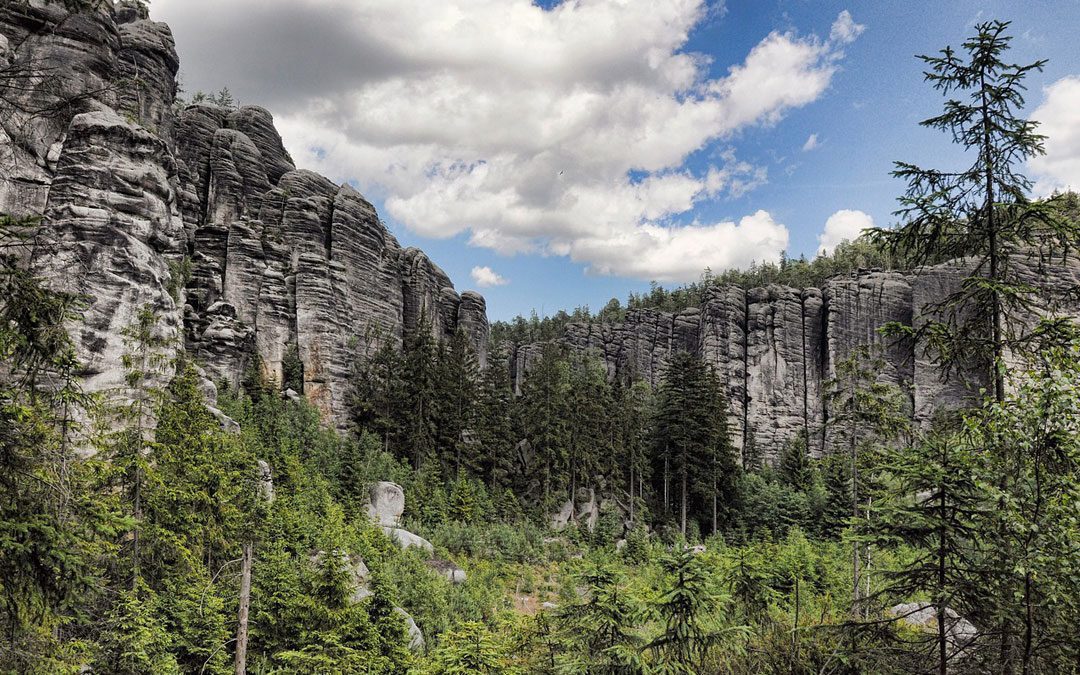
{"points": [[113, 234], [385, 505], [200, 216], [775, 348]]}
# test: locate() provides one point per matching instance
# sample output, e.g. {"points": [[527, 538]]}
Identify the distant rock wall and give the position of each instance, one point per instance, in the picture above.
{"points": [[134, 192], [776, 347]]}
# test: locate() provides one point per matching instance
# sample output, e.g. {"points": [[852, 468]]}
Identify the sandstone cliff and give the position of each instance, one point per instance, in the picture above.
{"points": [[776, 347], [198, 213]]}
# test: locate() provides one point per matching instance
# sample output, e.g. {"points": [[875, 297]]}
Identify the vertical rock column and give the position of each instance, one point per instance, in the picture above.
{"points": [[933, 392], [113, 228], [780, 370], [723, 346], [858, 307]]}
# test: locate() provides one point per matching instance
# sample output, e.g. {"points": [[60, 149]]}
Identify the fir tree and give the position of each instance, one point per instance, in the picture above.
{"points": [[982, 211]]}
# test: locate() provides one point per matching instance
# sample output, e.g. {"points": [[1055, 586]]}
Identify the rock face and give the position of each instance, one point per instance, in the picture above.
{"points": [[199, 215], [776, 347]]}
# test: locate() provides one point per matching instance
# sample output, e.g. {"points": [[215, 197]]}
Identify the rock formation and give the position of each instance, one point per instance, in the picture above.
{"points": [[776, 347], [197, 213]]}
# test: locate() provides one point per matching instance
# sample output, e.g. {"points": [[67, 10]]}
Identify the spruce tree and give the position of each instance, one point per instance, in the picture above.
{"points": [[981, 211], [495, 431], [545, 420], [455, 406], [863, 411], [419, 370]]}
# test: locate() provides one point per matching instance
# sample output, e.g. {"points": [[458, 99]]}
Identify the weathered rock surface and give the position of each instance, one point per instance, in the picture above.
{"points": [[387, 503], [113, 228], [202, 215], [416, 636], [775, 348], [405, 539], [448, 570]]}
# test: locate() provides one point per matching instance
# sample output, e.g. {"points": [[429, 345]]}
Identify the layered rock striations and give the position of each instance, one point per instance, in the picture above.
{"points": [[199, 214]]}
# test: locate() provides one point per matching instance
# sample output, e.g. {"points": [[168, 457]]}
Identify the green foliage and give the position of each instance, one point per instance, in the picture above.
{"points": [[685, 607], [471, 649], [690, 438], [602, 634], [180, 272], [292, 369]]}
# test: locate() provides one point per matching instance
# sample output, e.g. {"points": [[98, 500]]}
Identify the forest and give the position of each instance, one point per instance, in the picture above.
{"points": [[140, 534]]}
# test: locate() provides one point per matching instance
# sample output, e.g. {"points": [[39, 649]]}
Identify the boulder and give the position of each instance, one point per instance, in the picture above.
{"points": [[562, 518], [265, 485], [406, 539], [960, 632], [448, 570], [386, 504], [416, 636]]}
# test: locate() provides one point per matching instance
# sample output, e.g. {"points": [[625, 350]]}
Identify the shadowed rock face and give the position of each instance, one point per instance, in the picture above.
{"points": [[134, 192]]}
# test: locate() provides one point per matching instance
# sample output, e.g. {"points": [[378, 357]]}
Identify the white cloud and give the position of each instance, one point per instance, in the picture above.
{"points": [[844, 225], [675, 254], [485, 277], [811, 143], [556, 131], [844, 29], [1059, 168]]}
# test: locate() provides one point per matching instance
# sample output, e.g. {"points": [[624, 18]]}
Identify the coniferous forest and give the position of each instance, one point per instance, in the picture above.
{"points": [[585, 521]]}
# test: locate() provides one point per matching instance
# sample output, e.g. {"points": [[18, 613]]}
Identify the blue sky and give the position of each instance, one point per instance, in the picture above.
{"points": [[481, 131]]}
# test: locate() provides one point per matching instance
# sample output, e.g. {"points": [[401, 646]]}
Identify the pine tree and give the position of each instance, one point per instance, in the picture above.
{"points": [[1030, 559], [601, 631], [684, 608], [933, 508], [690, 434], [862, 412], [52, 533], [129, 441], [544, 419]]}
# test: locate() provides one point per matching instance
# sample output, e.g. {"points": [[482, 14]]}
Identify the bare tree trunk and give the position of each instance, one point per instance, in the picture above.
{"points": [[683, 514], [855, 514], [667, 501], [939, 601], [245, 605]]}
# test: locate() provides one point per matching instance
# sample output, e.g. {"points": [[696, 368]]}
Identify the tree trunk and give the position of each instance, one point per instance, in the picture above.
{"points": [[939, 601], [855, 514], [683, 510], [245, 604], [667, 502]]}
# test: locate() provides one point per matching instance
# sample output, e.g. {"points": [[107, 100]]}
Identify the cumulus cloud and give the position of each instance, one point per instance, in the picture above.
{"points": [[811, 143], [485, 277], [1059, 168], [562, 131], [676, 254], [844, 29], [844, 225]]}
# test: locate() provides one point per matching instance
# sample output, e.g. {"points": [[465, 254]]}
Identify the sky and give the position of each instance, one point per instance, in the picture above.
{"points": [[556, 154]]}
